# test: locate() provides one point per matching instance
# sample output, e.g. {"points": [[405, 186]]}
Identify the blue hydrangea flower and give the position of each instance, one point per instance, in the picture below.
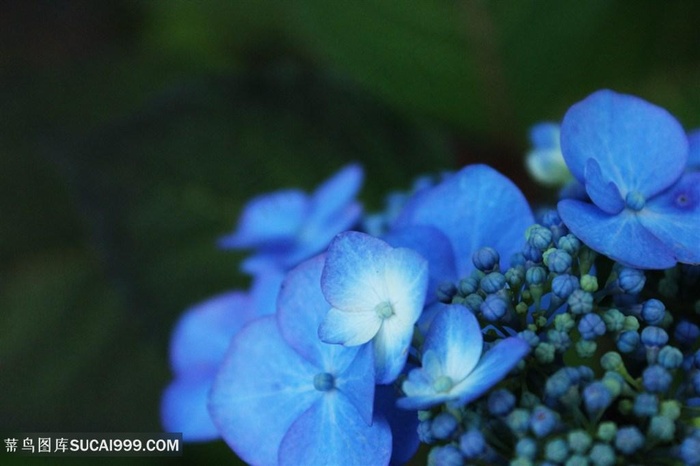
{"points": [[197, 348], [287, 227], [284, 397], [474, 208], [453, 367], [631, 156], [376, 293], [545, 161]]}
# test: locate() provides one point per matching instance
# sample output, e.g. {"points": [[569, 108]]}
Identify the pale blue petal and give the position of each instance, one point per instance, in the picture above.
{"points": [[349, 328], [693, 150], [455, 336], [184, 409], [301, 309], [475, 207], [391, 346], [601, 190], [639, 146], [356, 381], [203, 333], [492, 368], [545, 135], [418, 383], [331, 432], [434, 246], [423, 401], [405, 282], [268, 220], [331, 197], [263, 386], [674, 217], [353, 275], [621, 237]]}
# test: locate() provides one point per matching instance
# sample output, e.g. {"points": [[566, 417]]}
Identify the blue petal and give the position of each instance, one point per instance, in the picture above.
{"points": [[621, 237], [265, 289], [693, 150], [331, 432], [349, 328], [455, 336], [475, 207], [270, 219], [353, 275], [301, 309], [493, 367], [356, 382], [391, 346], [639, 146], [674, 217], [263, 386], [601, 190], [184, 409], [203, 333], [403, 424], [434, 246], [545, 135], [333, 196]]}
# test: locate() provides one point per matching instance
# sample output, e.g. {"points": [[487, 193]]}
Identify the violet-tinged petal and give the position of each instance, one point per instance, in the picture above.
{"points": [[331, 432], [184, 409], [269, 219], [434, 246], [674, 217], [640, 147], [349, 328], [203, 333], [455, 335], [493, 366], [601, 190], [263, 386], [621, 237], [475, 207]]}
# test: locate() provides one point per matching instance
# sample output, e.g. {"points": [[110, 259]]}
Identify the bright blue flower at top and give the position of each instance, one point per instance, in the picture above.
{"points": [[284, 397], [473, 208], [197, 348], [454, 369], [287, 227], [376, 293], [545, 161], [631, 156]]}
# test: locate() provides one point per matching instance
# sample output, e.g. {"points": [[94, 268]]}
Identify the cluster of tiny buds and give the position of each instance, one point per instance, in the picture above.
{"points": [[611, 372]]}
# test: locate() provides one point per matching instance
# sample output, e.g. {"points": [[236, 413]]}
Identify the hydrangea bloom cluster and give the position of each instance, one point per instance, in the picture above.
{"points": [[458, 320]]}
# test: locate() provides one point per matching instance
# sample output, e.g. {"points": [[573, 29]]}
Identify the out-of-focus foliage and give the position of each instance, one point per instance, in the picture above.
{"points": [[132, 132]]}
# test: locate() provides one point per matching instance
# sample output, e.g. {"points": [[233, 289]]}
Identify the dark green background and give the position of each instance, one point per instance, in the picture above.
{"points": [[132, 132]]}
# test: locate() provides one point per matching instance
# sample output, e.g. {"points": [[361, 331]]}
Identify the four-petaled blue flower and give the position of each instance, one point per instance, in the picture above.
{"points": [[284, 397], [631, 157], [453, 367], [376, 293], [287, 227]]}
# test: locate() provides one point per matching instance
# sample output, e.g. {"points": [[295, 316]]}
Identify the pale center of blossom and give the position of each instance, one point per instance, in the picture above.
{"points": [[324, 382], [635, 200], [384, 310], [442, 384]]}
